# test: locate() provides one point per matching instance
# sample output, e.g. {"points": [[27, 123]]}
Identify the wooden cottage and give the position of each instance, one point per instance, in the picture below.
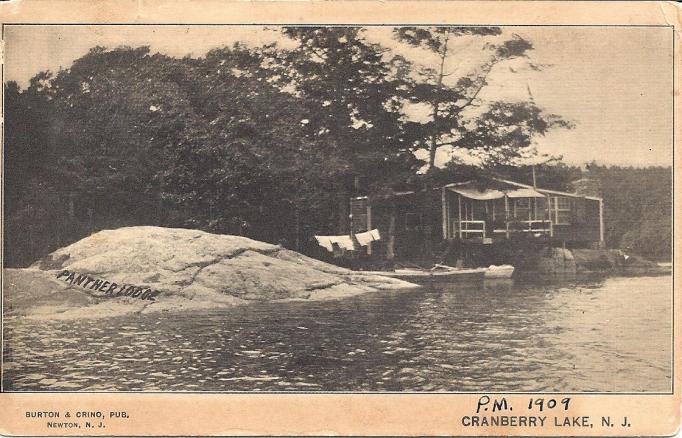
{"points": [[413, 223]]}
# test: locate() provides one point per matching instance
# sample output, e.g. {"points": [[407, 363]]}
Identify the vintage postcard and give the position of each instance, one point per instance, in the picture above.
{"points": [[340, 218]]}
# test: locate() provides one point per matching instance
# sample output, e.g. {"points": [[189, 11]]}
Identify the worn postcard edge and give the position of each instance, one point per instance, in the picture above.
{"points": [[431, 414]]}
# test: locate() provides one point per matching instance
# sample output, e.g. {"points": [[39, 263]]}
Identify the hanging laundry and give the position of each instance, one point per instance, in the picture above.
{"points": [[345, 242], [327, 242], [364, 238], [368, 236]]}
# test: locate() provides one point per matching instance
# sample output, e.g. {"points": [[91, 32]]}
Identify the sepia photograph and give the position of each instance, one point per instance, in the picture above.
{"points": [[337, 208]]}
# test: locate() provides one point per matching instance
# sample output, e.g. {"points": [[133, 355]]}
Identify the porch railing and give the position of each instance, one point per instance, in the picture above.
{"points": [[543, 226], [477, 228], [534, 226]]}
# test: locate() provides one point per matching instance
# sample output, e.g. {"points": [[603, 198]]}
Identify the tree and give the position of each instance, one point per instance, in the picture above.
{"points": [[504, 133], [209, 143], [273, 177], [637, 208], [31, 207], [348, 86], [552, 174], [125, 124], [131, 138], [265, 142], [501, 130]]}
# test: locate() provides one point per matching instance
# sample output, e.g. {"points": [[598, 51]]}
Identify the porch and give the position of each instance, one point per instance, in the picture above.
{"points": [[486, 215]]}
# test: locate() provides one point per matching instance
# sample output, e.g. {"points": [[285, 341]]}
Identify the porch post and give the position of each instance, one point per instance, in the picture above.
{"points": [[369, 224], [530, 215], [506, 215], [444, 208], [459, 202], [549, 216], [601, 222]]}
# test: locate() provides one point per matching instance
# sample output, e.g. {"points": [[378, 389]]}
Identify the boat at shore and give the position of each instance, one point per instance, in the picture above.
{"points": [[501, 271], [437, 273], [447, 273]]}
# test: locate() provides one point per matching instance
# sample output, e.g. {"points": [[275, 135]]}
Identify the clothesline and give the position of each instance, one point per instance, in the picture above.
{"points": [[327, 242], [346, 242]]}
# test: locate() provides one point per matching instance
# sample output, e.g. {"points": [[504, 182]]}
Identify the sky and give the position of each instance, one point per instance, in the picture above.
{"points": [[614, 83]]}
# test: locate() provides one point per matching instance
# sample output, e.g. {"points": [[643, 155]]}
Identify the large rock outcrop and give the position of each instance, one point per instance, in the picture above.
{"points": [[186, 269]]}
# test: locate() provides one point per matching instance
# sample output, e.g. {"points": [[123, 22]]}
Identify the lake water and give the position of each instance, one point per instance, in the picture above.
{"points": [[593, 334]]}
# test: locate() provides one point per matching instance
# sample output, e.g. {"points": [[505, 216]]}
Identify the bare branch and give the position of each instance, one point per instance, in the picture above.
{"points": [[482, 84]]}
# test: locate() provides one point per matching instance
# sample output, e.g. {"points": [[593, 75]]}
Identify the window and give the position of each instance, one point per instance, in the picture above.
{"points": [[561, 210]]}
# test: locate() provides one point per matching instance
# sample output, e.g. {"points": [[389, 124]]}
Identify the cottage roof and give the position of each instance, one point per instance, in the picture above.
{"points": [[524, 193], [472, 191], [548, 191]]}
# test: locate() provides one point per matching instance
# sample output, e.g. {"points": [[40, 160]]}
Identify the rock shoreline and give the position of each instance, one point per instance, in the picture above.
{"points": [[190, 269], [576, 261]]}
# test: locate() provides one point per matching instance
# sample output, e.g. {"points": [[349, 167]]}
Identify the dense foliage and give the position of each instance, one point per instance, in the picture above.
{"points": [[637, 208], [129, 138], [263, 142]]}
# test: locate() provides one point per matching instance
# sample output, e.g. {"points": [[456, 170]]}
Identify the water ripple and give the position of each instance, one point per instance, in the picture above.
{"points": [[591, 335]]}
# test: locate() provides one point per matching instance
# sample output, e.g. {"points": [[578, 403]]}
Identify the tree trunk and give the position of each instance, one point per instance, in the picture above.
{"points": [[432, 152], [298, 231], [159, 205], [343, 203], [435, 107], [390, 246]]}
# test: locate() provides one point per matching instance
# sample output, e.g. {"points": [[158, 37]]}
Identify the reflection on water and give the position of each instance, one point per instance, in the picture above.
{"points": [[609, 334]]}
